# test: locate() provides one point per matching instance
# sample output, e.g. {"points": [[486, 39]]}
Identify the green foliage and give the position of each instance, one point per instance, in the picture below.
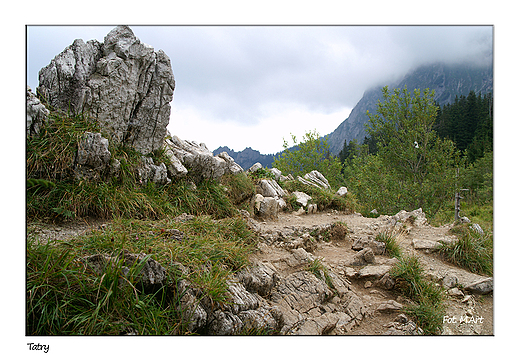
{"points": [[413, 168], [468, 121], [472, 251], [312, 153], [240, 188], [478, 178], [51, 154]]}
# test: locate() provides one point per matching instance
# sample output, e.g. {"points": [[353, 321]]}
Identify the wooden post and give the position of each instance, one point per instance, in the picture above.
{"points": [[457, 205]]}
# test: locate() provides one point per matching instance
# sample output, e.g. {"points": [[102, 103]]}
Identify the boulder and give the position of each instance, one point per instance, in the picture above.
{"points": [[481, 287], [122, 83], [266, 207], [269, 188], [36, 113], [276, 173], [254, 167], [147, 171], [92, 157], [316, 179], [415, 217], [302, 198]]}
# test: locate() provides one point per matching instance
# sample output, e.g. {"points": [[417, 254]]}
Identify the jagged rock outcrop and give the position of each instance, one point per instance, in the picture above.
{"points": [[148, 171], [197, 161], [122, 83], [36, 113], [316, 179]]}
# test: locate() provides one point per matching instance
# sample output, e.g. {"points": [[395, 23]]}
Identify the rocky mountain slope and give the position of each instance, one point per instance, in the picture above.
{"points": [[448, 81]]}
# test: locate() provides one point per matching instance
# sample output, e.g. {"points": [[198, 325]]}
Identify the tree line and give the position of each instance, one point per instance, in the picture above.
{"points": [[416, 154]]}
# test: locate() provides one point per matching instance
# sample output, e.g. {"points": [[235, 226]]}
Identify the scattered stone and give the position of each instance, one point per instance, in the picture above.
{"points": [[389, 306], [425, 245], [386, 282], [312, 208], [449, 281], [367, 284], [374, 271], [342, 192], [366, 255], [455, 292], [481, 287]]}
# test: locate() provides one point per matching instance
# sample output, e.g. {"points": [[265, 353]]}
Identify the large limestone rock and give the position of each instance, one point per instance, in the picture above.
{"points": [[122, 83]]}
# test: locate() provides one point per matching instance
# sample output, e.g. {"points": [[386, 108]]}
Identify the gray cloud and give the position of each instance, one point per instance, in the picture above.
{"points": [[242, 74]]}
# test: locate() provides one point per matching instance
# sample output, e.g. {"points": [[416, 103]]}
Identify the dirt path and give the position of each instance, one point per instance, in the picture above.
{"points": [[466, 314]]}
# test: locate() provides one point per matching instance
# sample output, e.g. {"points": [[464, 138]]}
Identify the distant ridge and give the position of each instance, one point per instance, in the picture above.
{"points": [[448, 81], [247, 157]]}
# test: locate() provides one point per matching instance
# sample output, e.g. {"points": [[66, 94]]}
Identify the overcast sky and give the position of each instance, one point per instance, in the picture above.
{"points": [[255, 85]]}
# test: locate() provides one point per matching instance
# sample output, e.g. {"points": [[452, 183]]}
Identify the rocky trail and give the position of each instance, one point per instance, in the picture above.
{"points": [[468, 311], [279, 290]]}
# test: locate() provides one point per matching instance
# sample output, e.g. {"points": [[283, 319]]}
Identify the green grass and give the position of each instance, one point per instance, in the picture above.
{"points": [[472, 251], [392, 245], [64, 298], [428, 307], [320, 271]]}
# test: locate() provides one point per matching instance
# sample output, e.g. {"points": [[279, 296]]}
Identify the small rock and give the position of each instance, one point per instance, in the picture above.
{"points": [[424, 244], [389, 306], [342, 192], [449, 281], [368, 284], [481, 287], [455, 292]]}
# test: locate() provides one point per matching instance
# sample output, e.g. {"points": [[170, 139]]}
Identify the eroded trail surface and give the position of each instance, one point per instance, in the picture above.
{"points": [[468, 312]]}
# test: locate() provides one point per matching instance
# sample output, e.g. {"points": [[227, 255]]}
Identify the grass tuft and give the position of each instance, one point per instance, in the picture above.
{"points": [[472, 251]]}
